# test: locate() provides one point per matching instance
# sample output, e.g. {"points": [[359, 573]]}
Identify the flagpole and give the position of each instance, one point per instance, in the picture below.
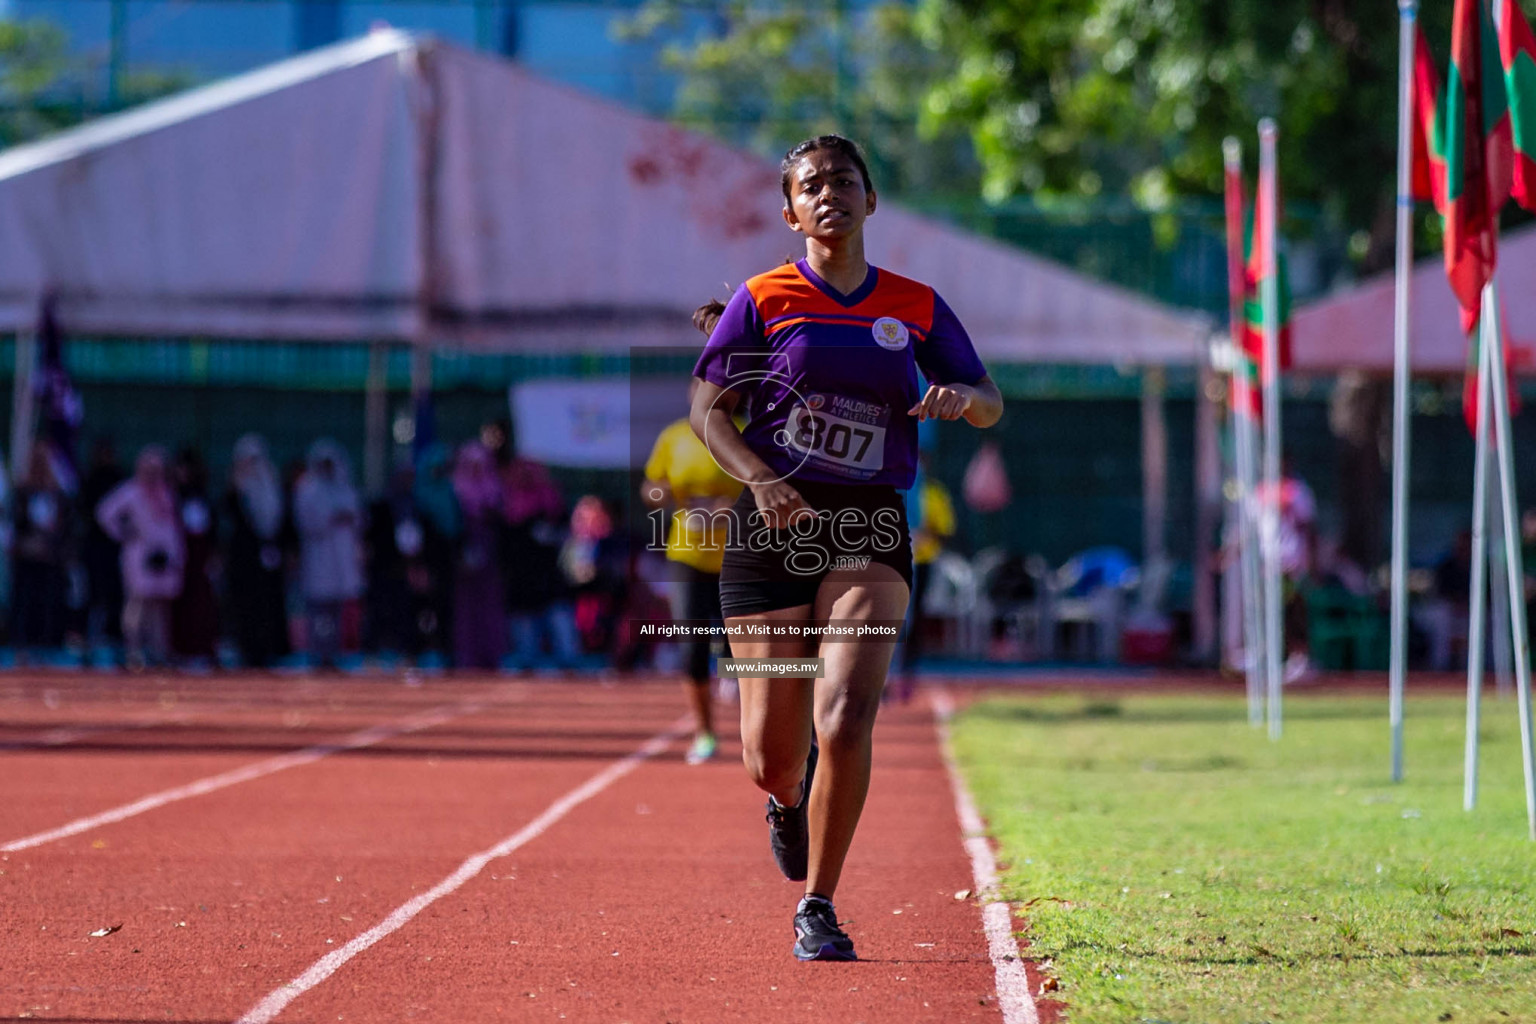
{"points": [[1250, 569], [1514, 570], [1407, 13], [1479, 583], [1498, 604], [1242, 444], [1268, 206]]}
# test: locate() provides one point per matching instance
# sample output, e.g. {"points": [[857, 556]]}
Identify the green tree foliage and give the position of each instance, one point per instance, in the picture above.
{"points": [[1076, 97], [43, 88], [1064, 99], [32, 58], [766, 75]]}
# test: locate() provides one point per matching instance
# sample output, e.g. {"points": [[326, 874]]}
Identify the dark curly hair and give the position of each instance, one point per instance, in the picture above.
{"points": [[707, 315]]}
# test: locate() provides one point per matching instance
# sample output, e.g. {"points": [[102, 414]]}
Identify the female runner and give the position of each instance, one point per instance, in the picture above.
{"points": [[825, 353]]}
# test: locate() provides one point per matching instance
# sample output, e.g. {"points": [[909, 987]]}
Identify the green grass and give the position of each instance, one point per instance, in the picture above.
{"points": [[1178, 866]]}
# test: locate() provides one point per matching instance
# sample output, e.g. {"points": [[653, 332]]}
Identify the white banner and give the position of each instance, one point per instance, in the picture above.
{"points": [[594, 422]]}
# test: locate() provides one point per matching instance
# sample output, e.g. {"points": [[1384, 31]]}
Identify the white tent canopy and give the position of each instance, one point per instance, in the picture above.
{"points": [[1354, 328], [391, 188]]}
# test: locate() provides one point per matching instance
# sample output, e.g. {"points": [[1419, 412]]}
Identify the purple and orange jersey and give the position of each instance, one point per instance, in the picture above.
{"points": [[828, 378]]}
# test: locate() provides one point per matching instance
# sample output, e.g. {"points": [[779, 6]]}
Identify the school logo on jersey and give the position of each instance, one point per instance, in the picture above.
{"points": [[890, 333]]}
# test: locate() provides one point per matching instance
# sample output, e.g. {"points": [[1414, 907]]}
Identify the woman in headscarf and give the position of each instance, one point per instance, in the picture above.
{"points": [[538, 598], [329, 520], [195, 612], [439, 509], [403, 581], [140, 514], [479, 621], [254, 506]]}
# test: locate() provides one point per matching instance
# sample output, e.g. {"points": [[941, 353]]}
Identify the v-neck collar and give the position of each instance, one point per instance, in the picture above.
{"points": [[853, 298]]}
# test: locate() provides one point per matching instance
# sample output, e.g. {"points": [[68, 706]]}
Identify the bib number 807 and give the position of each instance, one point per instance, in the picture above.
{"points": [[836, 439]]}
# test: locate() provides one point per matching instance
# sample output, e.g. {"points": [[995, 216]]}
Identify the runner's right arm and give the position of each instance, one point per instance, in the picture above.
{"points": [[711, 420]]}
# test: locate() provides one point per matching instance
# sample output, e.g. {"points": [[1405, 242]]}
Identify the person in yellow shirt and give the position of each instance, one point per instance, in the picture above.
{"points": [[681, 473], [931, 513]]}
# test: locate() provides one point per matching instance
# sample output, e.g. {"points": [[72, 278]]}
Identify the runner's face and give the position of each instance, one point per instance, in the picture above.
{"points": [[827, 199]]}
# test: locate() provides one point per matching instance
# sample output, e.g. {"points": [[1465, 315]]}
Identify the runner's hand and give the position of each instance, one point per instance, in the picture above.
{"points": [[779, 503], [944, 402]]}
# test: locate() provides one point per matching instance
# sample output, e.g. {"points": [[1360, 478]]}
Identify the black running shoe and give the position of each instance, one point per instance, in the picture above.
{"points": [[817, 936], [787, 834]]}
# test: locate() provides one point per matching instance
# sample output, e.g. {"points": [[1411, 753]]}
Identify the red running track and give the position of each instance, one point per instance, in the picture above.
{"points": [[465, 850]]}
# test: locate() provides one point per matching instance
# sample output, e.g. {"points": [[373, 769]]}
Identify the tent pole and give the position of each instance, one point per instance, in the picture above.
{"points": [[421, 369], [1154, 467], [1207, 508], [1477, 613], [1513, 563]]}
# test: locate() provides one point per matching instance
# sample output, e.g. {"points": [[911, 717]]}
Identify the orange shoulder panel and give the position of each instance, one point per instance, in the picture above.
{"points": [[784, 290], [901, 297]]}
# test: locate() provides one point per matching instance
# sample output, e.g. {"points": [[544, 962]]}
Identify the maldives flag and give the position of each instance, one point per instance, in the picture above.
{"points": [[1517, 53], [1477, 161], [1469, 389], [1429, 170], [1237, 292], [1257, 270]]}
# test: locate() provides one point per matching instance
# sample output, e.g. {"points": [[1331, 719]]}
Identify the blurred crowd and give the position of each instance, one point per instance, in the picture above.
{"points": [[471, 558]]}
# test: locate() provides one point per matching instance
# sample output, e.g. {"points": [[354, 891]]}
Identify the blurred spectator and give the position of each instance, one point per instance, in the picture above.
{"points": [[43, 522], [440, 512], [254, 507], [479, 619], [295, 611], [1444, 614], [402, 582], [103, 571], [931, 518], [538, 600], [682, 472], [141, 516], [328, 516], [195, 612], [595, 560], [1297, 553]]}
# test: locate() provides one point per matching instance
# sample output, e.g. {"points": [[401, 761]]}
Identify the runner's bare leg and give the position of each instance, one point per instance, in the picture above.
{"points": [[846, 701]]}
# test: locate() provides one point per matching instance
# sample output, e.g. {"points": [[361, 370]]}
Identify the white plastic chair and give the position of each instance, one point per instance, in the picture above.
{"points": [[1097, 614], [952, 597]]}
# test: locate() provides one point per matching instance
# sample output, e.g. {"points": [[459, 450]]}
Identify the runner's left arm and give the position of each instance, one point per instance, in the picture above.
{"points": [[958, 382]]}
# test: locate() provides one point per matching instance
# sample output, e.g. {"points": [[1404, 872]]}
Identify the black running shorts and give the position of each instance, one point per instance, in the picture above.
{"points": [[856, 525]]}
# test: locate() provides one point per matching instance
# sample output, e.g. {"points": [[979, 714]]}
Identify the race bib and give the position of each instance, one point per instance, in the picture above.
{"points": [[841, 434]]}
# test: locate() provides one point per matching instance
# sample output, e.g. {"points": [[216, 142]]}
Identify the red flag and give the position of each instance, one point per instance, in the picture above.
{"points": [[1517, 53], [1255, 273], [1428, 127], [1471, 216], [1237, 291]]}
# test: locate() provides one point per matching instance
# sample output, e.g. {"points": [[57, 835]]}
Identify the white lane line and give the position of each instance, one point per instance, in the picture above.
{"points": [[356, 741], [278, 999], [1013, 996]]}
